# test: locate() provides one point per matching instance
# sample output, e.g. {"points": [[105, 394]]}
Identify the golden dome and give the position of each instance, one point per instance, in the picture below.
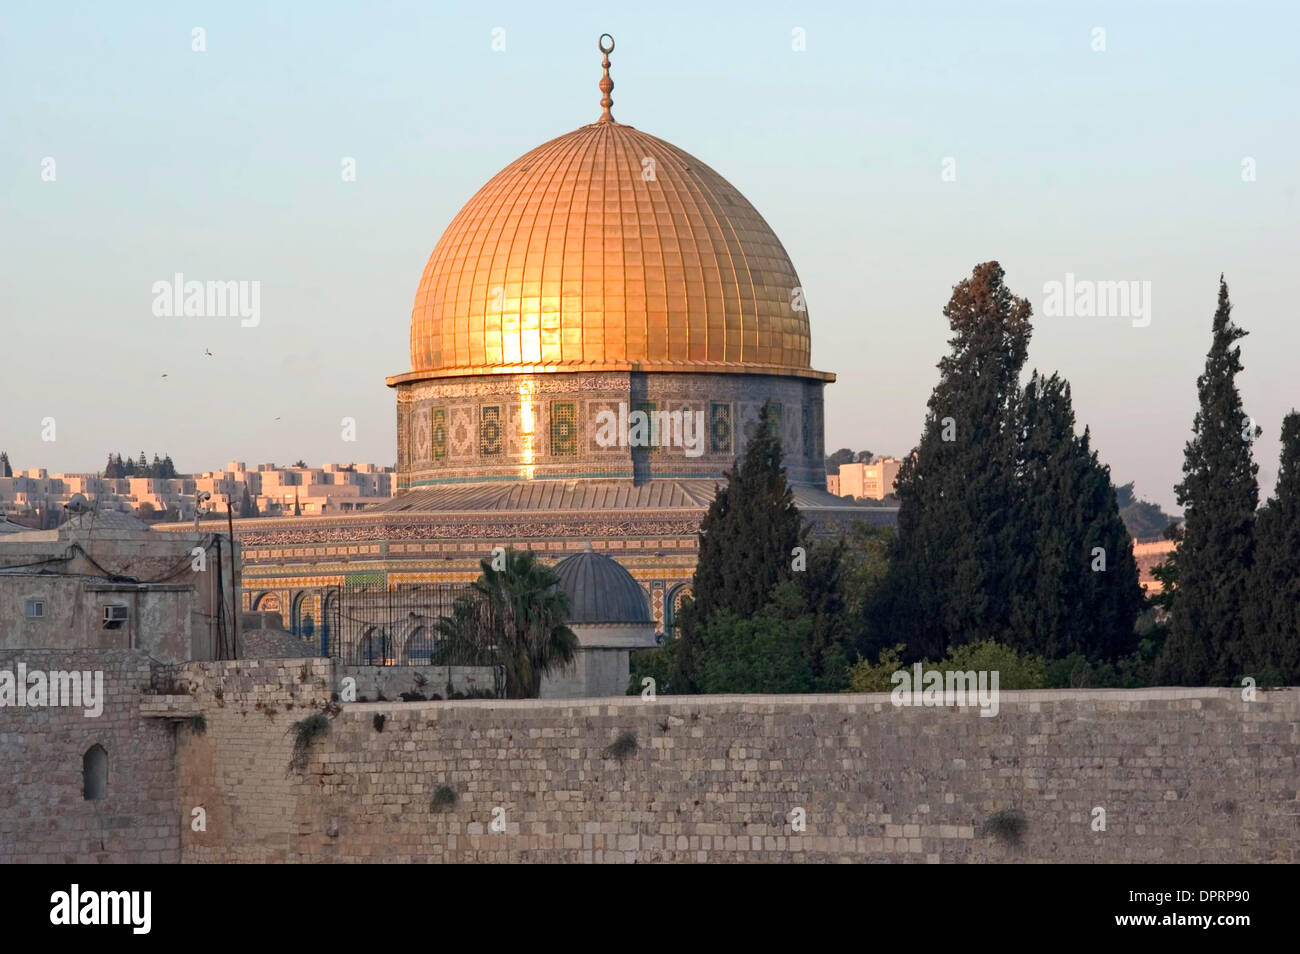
{"points": [[608, 249]]}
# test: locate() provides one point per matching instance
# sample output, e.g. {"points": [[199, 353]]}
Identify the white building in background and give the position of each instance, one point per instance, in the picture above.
{"points": [[873, 481], [330, 489]]}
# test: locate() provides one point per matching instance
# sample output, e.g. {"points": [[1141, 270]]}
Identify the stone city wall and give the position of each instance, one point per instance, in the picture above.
{"points": [[44, 814], [1182, 775], [380, 683]]}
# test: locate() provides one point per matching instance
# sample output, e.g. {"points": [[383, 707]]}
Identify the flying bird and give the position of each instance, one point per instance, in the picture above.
{"points": [[208, 353]]}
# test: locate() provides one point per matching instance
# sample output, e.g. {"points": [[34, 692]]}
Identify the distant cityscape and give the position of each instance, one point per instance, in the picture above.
{"points": [[37, 498], [155, 491]]}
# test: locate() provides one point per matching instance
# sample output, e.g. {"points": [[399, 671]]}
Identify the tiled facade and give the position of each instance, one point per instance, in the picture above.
{"points": [[546, 426]]}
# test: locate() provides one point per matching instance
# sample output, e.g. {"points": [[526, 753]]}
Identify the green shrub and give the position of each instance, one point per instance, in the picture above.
{"points": [[304, 734], [444, 797], [1268, 677], [764, 653], [1015, 670], [865, 676]]}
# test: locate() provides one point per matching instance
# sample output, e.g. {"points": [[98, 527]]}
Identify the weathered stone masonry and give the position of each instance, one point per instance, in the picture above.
{"points": [[44, 817], [1183, 775]]}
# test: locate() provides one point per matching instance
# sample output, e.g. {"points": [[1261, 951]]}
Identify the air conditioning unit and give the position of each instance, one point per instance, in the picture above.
{"points": [[116, 615]]}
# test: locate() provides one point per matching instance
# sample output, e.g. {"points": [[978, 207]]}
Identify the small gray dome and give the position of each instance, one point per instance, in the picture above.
{"points": [[601, 591]]}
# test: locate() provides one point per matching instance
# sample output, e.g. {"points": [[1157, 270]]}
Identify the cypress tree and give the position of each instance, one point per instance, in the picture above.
{"points": [[747, 536], [746, 540], [1082, 593], [1219, 494], [820, 589], [954, 562], [1273, 613]]}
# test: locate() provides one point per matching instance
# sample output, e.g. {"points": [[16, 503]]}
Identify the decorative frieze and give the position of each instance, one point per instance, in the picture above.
{"points": [[548, 426]]}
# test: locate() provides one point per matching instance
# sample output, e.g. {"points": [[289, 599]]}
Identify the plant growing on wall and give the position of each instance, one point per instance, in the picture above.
{"points": [[304, 733], [416, 694], [1007, 826], [444, 798], [622, 747]]}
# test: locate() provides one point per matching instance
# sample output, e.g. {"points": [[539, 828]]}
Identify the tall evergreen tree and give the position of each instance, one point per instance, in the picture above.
{"points": [[1219, 494], [746, 543], [820, 588], [1273, 612], [5, 469], [1008, 527], [1081, 592], [954, 565], [747, 536]]}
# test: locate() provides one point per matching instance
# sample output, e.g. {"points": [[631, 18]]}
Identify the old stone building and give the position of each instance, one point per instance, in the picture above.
{"points": [[105, 580]]}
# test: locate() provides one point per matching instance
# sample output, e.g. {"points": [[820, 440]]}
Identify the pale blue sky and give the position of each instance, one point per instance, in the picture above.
{"points": [[1117, 165]]}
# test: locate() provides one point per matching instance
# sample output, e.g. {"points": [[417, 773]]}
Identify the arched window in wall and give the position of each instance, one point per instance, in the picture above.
{"points": [[94, 773], [375, 648], [419, 648]]}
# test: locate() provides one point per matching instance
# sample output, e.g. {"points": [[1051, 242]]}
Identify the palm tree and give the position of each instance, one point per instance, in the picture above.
{"points": [[517, 615], [460, 639]]}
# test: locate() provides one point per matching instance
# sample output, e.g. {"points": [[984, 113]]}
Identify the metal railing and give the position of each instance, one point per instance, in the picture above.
{"points": [[370, 624]]}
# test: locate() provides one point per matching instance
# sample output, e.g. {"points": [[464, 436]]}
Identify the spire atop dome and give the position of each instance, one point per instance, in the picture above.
{"points": [[606, 84]]}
